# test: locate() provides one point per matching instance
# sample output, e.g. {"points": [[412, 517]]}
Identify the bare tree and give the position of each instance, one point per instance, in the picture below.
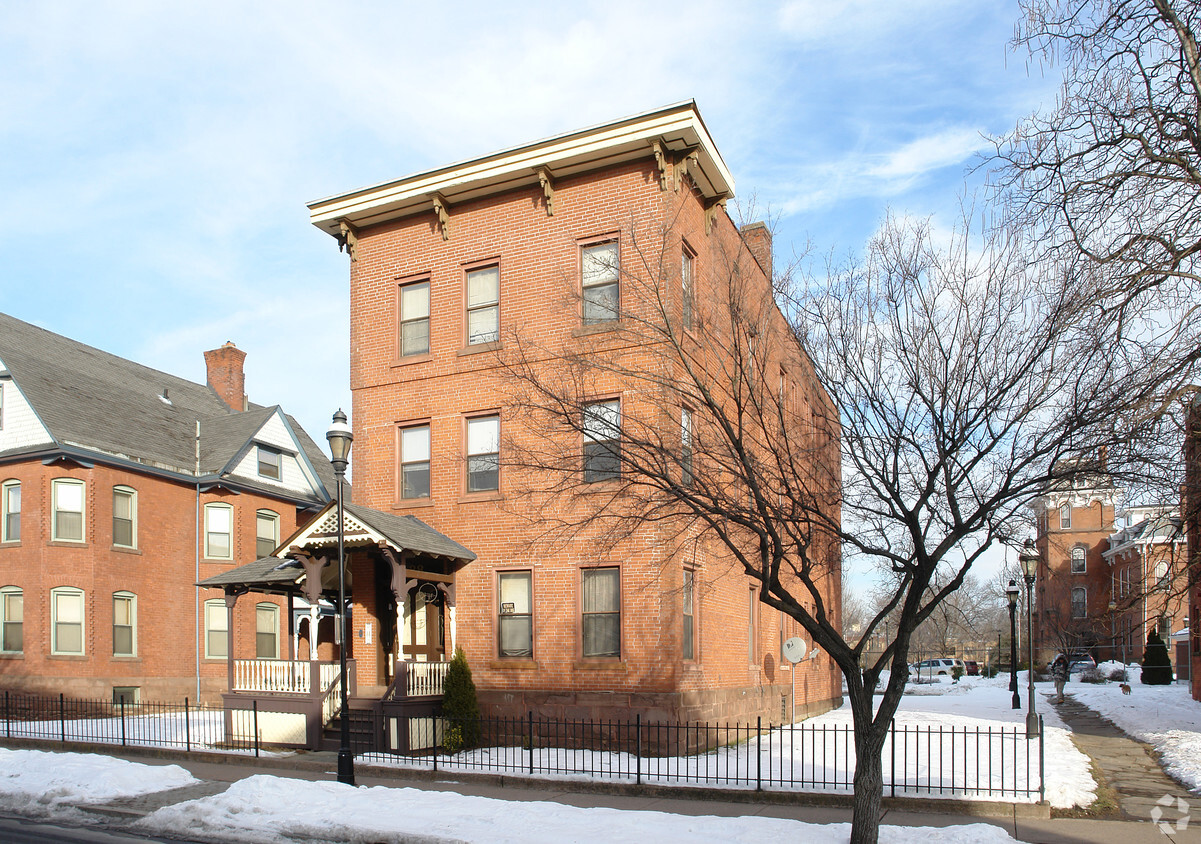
{"points": [[957, 382]]}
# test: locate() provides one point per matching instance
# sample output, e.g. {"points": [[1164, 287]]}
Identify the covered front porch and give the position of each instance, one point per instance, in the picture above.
{"points": [[400, 586]]}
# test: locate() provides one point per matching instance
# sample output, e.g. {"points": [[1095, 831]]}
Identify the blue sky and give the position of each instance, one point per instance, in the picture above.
{"points": [[156, 158]]}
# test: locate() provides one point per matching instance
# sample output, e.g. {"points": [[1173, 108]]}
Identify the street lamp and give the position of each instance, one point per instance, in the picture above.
{"points": [[1029, 561], [340, 438], [1011, 592]]}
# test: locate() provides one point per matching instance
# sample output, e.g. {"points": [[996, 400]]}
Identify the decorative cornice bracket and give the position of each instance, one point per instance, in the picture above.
{"points": [[684, 163], [711, 207], [348, 239], [548, 189], [661, 160], [442, 209]]}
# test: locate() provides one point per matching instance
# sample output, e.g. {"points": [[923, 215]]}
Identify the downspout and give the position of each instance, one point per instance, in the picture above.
{"points": [[196, 551]]}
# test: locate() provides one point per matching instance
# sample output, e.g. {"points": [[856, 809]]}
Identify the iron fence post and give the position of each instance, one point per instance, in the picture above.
{"points": [[122, 700], [892, 746], [8, 721], [187, 726], [256, 729], [530, 737], [1042, 778], [638, 748], [62, 718]]}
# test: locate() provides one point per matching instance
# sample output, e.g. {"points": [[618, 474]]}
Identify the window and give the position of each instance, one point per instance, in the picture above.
{"points": [[686, 288], [483, 305], [124, 624], [602, 299], [1065, 517], [685, 446], [216, 630], [689, 633], [1165, 628], [218, 531], [602, 446], [483, 453], [269, 462], [415, 319], [1079, 603], [1078, 560], [266, 538], [602, 612], [125, 517], [12, 617], [66, 621], [10, 506], [1162, 581], [415, 462], [127, 695], [266, 631], [515, 627], [68, 510]]}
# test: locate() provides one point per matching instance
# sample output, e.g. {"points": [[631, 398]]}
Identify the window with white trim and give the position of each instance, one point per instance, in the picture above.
{"points": [[602, 441], [216, 630], [599, 270], [125, 621], [218, 531], [12, 620], [125, 517], [415, 462], [1079, 560], [601, 605], [688, 650], [266, 538], [66, 621], [10, 511], [515, 625], [415, 319], [483, 453], [266, 631], [483, 305], [686, 475], [1065, 517], [687, 291], [270, 462], [67, 497]]}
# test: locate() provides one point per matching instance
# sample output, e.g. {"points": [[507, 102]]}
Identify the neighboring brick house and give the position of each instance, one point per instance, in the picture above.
{"points": [[120, 488], [445, 266]]}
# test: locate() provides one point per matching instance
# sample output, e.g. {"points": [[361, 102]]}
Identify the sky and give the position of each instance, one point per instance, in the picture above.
{"points": [[156, 158]]}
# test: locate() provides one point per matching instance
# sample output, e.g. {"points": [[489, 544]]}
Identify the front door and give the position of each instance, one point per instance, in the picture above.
{"points": [[424, 633]]}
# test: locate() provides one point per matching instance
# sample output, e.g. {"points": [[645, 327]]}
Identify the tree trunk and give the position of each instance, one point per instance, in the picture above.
{"points": [[869, 785]]}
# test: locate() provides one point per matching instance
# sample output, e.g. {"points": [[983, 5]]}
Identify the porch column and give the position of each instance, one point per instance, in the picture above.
{"points": [[449, 591], [397, 562], [231, 598]]}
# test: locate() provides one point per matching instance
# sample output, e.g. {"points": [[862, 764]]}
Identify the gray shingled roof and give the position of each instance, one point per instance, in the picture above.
{"points": [[103, 403], [409, 532], [267, 572]]}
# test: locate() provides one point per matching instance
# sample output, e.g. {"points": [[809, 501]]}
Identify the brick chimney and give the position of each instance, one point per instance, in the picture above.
{"points": [[225, 374], [758, 239]]}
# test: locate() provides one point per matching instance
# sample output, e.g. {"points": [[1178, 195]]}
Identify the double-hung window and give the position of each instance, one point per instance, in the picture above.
{"points": [[10, 511], [66, 621], [67, 496], [688, 651], [216, 630], [1079, 602], [600, 274], [483, 305], [415, 462], [266, 533], [687, 291], [125, 614], [125, 517], [1065, 517], [266, 631], [602, 441], [515, 626], [483, 453], [12, 619], [686, 446], [1078, 560], [218, 531], [270, 460], [415, 319], [601, 607]]}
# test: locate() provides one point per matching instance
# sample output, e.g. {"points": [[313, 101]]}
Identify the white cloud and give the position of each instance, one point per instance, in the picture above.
{"points": [[921, 155]]}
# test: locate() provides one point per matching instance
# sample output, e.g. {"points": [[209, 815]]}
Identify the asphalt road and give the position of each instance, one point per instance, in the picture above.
{"points": [[24, 831]]}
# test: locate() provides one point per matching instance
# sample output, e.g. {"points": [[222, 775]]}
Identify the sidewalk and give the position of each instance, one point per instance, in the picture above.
{"points": [[218, 774]]}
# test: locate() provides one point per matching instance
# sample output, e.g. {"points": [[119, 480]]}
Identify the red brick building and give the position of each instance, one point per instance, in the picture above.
{"points": [[120, 488], [538, 246]]}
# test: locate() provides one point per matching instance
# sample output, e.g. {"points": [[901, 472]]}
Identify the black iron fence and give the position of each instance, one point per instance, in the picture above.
{"points": [[997, 762]]}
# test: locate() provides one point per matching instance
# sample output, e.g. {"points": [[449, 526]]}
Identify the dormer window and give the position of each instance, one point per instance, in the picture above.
{"points": [[269, 463]]}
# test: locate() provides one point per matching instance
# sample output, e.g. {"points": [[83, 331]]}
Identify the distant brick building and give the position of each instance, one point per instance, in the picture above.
{"points": [[446, 266], [120, 488]]}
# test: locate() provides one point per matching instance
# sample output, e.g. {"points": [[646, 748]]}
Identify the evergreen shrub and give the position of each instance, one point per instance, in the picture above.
{"points": [[1157, 666], [460, 706]]}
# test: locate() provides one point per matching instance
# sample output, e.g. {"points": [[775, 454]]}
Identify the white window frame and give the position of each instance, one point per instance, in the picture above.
{"points": [[262, 517], [209, 509], [132, 494], [687, 287], [130, 600], [1082, 559], [6, 496], [415, 459], [597, 274], [483, 450], [7, 593], [261, 611], [480, 308], [215, 611], [688, 616], [56, 487], [1065, 517], [271, 458], [687, 468], [66, 594], [416, 315]]}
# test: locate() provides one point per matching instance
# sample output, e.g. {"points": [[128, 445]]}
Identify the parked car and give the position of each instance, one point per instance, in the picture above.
{"points": [[971, 667], [1080, 662], [929, 668]]}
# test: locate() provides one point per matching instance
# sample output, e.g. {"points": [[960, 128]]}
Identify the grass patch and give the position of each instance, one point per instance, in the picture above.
{"points": [[1105, 805]]}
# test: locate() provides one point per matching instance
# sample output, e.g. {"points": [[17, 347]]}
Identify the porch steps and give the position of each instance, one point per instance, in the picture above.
{"points": [[362, 729]]}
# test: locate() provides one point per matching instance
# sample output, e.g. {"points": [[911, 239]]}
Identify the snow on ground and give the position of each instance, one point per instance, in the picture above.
{"points": [[1166, 717], [37, 783], [269, 809]]}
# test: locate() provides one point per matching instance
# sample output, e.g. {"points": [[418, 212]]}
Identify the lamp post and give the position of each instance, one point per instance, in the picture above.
{"points": [[340, 438], [1029, 561], [1011, 592]]}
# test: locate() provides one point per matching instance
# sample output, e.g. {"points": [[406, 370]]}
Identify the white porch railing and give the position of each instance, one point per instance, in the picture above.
{"points": [[281, 676], [424, 679]]}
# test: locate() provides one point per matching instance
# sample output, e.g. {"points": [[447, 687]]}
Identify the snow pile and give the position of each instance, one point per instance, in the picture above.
{"points": [[39, 784], [269, 809], [1166, 717]]}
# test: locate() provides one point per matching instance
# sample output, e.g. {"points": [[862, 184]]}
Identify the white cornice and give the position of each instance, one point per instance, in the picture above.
{"points": [[677, 128]]}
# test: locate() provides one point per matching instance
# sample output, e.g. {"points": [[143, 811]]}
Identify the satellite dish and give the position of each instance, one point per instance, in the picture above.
{"points": [[794, 649]]}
